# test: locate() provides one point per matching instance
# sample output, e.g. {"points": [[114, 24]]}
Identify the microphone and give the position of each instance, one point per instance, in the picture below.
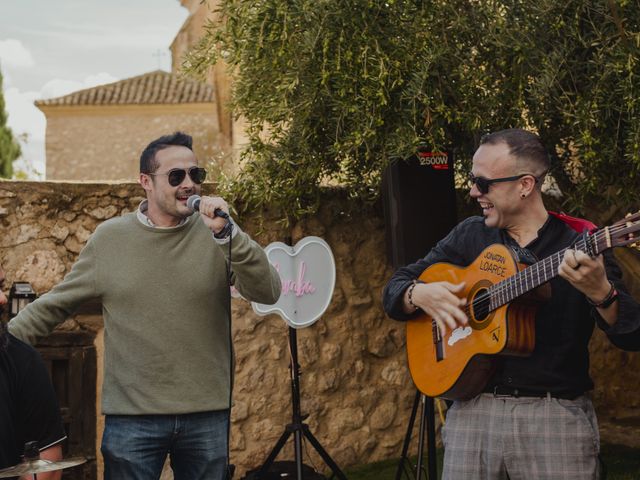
{"points": [[193, 203]]}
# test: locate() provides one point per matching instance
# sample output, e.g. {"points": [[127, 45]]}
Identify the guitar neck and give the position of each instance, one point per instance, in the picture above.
{"points": [[543, 271]]}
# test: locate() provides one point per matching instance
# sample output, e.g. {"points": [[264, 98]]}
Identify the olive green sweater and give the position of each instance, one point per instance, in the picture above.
{"points": [[165, 305]]}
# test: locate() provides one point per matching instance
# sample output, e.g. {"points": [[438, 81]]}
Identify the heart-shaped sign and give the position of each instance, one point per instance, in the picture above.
{"points": [[308, 274]]}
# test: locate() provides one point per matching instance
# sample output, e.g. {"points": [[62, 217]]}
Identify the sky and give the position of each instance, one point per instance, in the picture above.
{"points": [[49, 48]]}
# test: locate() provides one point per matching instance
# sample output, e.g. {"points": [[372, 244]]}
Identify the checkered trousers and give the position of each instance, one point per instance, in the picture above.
{"points": [[496, 438]]}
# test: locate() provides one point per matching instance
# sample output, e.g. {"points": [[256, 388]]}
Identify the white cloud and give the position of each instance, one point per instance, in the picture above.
{"points": [[31, 162], [28, 125], [7, 81], [26, 119], [14, 54], [101, 78], [92, 36], [59, 87]]}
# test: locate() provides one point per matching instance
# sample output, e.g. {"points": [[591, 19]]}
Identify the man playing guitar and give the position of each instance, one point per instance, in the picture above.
{"points": [[533, 418]]}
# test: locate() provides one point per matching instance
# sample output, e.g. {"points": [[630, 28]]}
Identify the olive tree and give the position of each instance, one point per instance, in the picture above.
{"points": [[333, 91]]}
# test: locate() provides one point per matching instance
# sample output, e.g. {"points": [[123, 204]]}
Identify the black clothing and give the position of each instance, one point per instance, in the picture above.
{"points": [[28, 405], [560, 360]]}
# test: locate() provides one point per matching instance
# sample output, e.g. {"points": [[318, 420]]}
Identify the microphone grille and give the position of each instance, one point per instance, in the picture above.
{"points": [[193, 202]]}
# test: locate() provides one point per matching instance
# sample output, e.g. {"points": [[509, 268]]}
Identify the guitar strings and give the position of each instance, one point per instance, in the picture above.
{"points": [[505, 287], [511, 284]]}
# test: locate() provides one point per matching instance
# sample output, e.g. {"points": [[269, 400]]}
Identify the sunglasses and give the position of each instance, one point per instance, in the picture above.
{"points": [[177, 175], [483, 184]]}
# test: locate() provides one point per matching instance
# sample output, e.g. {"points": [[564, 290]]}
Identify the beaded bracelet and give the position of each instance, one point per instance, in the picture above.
{"points": [[410, 293], [611, 297]]}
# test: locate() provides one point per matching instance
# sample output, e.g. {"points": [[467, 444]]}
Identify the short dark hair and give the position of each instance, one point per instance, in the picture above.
{"points": [[148, 163], [523, 145]]}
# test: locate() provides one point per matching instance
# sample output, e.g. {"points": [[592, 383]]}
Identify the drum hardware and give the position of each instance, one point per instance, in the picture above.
{"points": [[33, 464]]}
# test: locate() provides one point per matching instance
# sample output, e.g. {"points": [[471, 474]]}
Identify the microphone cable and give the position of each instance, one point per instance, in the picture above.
{"points": [[229, 468], [193, 203]]}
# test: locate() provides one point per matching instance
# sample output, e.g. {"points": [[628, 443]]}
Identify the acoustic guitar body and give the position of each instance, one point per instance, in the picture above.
{"points": [[459, 364]]}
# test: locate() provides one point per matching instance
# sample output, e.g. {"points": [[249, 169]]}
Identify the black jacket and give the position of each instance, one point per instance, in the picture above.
{"points": [[564, 324]]}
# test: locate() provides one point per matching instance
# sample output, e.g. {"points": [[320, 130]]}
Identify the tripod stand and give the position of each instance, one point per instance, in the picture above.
{"points": [[297, 427], [427, 420]]}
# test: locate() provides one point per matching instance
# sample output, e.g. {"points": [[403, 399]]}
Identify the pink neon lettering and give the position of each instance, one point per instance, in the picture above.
{"points": [[299, 286]]}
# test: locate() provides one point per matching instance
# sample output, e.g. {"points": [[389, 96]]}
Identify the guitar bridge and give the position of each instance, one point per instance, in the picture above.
{"points": [[437, 341]]}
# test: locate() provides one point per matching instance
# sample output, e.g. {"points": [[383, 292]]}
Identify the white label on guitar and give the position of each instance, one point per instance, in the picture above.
{"points": [[459, 334]]}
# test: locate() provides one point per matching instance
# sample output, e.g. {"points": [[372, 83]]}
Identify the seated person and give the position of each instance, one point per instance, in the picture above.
{"points": [[28, 405]]}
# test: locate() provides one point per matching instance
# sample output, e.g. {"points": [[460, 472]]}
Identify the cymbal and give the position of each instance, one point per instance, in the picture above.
{"points": [[30, 467]]}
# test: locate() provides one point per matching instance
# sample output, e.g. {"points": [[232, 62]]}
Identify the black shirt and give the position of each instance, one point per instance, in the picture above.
{"points": [[28, 405], [559, 362]]}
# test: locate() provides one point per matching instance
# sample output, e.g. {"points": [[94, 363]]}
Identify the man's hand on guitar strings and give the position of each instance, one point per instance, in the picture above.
{"points": [[586, 274], [440, 302]]}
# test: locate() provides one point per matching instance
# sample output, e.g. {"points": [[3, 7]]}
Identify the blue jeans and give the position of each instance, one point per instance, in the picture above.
{"points": [[135, 447]]}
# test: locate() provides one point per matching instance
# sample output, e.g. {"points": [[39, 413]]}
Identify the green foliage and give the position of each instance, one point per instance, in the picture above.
{"points": [[583, 92], [332, 91], [9, 147]]}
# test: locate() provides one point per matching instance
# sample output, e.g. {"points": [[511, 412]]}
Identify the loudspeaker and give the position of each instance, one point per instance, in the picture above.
{"points": [[419, 200]]}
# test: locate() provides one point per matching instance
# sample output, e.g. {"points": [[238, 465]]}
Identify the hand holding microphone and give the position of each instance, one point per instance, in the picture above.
{"points": [[193, 202], [214, 212]]}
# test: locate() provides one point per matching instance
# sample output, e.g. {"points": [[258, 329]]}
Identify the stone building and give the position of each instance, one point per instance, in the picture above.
{"points": [[233, 133], [99, 133]]}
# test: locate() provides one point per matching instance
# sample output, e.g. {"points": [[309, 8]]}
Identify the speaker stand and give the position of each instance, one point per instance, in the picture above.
{"points": [[297, 427], [428, 424]]}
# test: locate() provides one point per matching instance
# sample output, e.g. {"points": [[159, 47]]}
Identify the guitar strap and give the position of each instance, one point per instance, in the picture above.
{"points": [[524, 255], [580, 225], [577, 224]]}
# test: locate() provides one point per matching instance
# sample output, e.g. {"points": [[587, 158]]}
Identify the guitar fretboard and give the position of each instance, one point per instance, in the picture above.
{"points": [[619, 234], [535, 275]]}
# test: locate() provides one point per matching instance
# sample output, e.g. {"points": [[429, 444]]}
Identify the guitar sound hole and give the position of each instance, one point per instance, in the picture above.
{"points": [[480, 305]]}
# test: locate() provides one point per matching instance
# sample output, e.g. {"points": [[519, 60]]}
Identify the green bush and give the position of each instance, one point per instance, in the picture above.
{"points": [[332, 91]]}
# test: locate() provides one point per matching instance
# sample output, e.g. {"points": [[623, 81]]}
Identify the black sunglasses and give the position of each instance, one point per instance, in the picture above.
{"points": [[177, 175], [483, 184]]}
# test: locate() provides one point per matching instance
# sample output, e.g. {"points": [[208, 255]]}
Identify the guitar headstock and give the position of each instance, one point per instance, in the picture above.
{"points": [[624, 232]]}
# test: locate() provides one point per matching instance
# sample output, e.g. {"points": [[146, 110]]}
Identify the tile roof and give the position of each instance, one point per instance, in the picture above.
{"points": [[152, 88]]}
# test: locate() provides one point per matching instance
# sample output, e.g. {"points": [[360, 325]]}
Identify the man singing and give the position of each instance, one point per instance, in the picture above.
{"points": [[161, 276]]}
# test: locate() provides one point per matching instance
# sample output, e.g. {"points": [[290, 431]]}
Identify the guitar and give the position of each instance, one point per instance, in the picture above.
{"points": [[501, 313]]}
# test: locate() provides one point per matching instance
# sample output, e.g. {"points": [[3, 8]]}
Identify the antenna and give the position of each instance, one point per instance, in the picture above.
{"points": [[159, 54]]}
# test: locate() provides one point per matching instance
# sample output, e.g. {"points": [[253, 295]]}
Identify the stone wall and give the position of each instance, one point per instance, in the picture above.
{"points": [[105, 142], [355, 384]]}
